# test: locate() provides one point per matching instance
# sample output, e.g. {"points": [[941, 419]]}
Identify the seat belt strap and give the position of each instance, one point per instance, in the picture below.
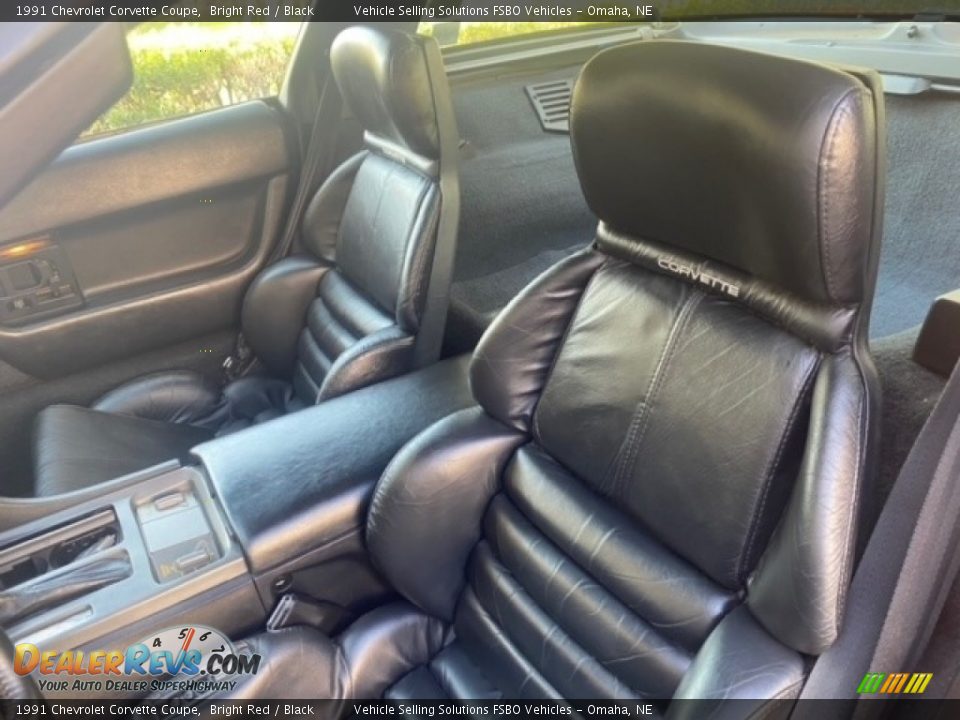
{"points": [[906, 571], [317, 159], [433, 323]]}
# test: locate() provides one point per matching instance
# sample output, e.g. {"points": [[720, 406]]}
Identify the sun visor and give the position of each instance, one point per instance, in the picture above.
{"points": [[55, 80]]}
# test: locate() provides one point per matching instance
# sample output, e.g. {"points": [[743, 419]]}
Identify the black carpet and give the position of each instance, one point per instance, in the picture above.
{"points": [[522, 203], [909, 394]]}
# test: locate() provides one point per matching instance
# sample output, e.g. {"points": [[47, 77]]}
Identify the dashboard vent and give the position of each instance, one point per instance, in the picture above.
{"points": [[551, 100]]}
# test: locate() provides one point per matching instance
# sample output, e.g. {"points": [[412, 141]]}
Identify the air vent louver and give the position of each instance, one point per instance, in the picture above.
{"points": [[551, 100]]}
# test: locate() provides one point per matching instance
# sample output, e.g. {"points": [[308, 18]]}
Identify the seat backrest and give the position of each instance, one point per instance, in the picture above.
{"points": [[658, 495], [378, 232]]}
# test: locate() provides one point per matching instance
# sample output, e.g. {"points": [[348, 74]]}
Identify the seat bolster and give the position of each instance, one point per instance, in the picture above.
{"points": [[438, 486], [385, 644], [174, 397], [299, 663], [275, 310], [377, 357], [514, 356], [321, 220], [370, 656], [798, 589], [418, 262], [739, 662]]}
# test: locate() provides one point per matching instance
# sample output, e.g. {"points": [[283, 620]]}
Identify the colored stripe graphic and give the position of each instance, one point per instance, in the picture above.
{"points": [[870, 683], [894, 683]]}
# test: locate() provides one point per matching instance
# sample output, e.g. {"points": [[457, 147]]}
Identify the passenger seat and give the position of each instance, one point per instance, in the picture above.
{"points": [[656, 494], [347, 313]]}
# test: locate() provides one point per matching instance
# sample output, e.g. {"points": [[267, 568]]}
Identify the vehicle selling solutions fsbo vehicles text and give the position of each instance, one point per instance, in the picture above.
{"points": [[454, 12]]}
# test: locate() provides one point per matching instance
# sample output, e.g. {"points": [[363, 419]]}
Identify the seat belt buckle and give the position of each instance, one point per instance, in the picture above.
{"points": [[239, 363]]}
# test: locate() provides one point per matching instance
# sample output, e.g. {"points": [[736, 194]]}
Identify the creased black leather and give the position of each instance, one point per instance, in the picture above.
{"points": [[625, 415], [511, 363], [808, 564], [587, 609], [175, 397], [366, 659], [669, 593], [76, 447], [704, 149], [339, 317], [275, 308], [738, 662], [437, 486], [387, 235], [374, 358], [250, 401], [383, 79], [324, 213], [452, 674], [536, 635]]}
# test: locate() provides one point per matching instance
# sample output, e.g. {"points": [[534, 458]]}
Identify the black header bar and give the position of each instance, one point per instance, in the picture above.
{"points": [[325, 10]]}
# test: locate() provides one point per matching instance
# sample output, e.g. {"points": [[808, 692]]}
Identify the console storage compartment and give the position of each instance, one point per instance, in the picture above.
{"points": [[295, 489]]}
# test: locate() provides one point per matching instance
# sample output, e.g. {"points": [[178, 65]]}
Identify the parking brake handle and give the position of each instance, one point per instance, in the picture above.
{"points": [[60, 586]]}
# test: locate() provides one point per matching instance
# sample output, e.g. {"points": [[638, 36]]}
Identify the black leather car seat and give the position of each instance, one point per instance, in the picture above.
{"points": [[352, 310], [658, 491]]}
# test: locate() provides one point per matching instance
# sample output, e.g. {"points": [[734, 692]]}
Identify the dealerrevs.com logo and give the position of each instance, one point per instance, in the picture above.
{"points": [[194, 658]]}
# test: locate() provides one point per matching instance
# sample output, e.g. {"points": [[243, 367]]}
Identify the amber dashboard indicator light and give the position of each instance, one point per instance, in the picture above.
{"points": [[23, 249]]}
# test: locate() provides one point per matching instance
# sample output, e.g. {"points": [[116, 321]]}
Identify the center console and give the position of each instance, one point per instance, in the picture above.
{"points": [[120, 567], [269, 511]]}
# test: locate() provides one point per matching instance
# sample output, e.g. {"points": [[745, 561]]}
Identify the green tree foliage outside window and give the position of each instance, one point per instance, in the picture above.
{"points": [[184, 68]]}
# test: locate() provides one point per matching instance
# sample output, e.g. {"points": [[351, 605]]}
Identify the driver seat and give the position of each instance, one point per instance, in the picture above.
{"points": [[657, 494], [364, 302]]}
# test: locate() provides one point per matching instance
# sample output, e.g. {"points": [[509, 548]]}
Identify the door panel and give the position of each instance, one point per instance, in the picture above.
{"points": [[159, 230], [148, 165], [163, 228]]}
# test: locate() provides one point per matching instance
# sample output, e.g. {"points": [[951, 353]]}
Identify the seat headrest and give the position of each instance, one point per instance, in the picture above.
{"points": [[764, 164], [384, 81]]}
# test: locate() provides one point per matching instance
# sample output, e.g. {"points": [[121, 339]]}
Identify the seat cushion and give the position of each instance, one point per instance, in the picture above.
{"points": [[365, 661], [147, 422], [395, 652], [76, 447]]}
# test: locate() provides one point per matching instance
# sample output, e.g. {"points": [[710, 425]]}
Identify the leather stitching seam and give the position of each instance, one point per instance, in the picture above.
{"points": [[772, 468], [548, 375], [419, 278], [640, 421], [854, 501], [839, 111]]}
